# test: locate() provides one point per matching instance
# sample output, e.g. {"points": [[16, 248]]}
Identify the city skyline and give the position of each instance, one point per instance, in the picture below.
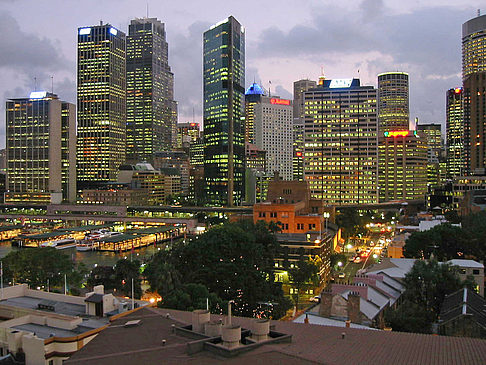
{"points": [[40, 49]]}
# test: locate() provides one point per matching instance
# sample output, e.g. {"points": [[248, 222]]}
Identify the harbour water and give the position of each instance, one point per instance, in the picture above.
{"points": [[92, 258]]}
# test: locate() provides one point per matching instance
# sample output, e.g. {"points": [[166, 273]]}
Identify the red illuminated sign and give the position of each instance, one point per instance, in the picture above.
{"points": [[299, 154], [458, 90], [193, 124], [396, 134], [280, 101]]}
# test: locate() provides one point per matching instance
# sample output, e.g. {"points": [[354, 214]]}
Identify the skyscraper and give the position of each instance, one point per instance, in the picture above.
{"points": [[402, 166], [101, 103], [455, 132], [273, 134], [393, 101], [474, 86], [300, 87], [253, 96], [41, 149], [151, 109], [223, 85], [341, 142]]}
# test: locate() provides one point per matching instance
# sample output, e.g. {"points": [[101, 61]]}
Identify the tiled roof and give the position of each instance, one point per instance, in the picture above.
{"points": [[311, 344], [461, 302]]}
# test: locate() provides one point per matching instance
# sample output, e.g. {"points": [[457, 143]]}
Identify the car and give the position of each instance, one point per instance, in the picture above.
{"points": [[316, 299], [341, 275], [351, 258], [357, 260]]}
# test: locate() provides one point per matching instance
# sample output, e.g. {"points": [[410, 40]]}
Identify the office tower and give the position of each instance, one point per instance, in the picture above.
{"points": [[273, 134], [151, 109], [433, 135], [187, 133], [393, 104], [402, 166], [474, 123], [101, 103], [177, 160], [300, 87], [455, 132], [223, 89], [253, 96], [473, 46], [298, 149], [341, 143], [41, 149]]}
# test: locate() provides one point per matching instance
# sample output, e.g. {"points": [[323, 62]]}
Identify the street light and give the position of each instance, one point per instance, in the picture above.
{"points": [[326, 215]]}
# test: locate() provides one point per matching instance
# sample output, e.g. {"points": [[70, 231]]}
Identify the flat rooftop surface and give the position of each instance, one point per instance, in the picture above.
{"points": [[46, 331], [32, 303]]}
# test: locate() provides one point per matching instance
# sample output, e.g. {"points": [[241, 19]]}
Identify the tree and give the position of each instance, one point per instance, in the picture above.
{"points": [[445, 241], [235, 261], [302, 275], [426, 286], [192, 296], [126, 270], [34, 266], [338, 257], [102, 275]]}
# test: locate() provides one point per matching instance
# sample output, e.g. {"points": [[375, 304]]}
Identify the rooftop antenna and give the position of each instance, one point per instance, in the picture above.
{"points": [[193, 117], [479, 12], [52, 84], [147, 9], [35, 83], [101, 22], [269, 89]]}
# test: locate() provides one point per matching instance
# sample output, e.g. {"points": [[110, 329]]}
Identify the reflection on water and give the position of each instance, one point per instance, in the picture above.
{"points": [[92, 258]]}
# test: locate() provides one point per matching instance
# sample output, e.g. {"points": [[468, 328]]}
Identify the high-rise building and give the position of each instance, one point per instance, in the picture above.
{"points": [[474, 85], [433, 135], [187, 133], [402, 166], [151, 109], [298, 149], [273, 134], [341, 142], [101, 103], [474, 123], [223, 86], [41, 149], [473, 46], [455, 132], [393, 101], [300, 87], [253, 96]]}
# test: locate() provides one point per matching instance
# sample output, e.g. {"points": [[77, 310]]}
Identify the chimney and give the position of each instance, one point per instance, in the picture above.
{"points": [[326, 304], [231, 336], [260, 330], [353, 307], [213, 328], [199, 318]]}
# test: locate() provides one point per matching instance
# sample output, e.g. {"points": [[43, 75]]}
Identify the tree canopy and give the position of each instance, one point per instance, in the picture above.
{"points": [[234, 261]]}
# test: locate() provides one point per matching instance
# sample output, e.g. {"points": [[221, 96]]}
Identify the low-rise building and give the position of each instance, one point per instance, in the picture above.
{"points": [[471, 268]]}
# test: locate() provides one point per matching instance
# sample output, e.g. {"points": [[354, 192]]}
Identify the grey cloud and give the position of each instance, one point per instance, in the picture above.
{"points": [[185, 58], [27, 51]]}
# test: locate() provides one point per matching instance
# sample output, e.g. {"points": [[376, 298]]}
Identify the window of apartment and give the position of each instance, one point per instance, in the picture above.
{"points": [[476, 272], [300, 226], [261, 214], [312, 225], [462, 271], [273, 214]]}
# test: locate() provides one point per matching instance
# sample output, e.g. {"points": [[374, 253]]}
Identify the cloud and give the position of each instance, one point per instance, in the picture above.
{"points": [[185, 58]]}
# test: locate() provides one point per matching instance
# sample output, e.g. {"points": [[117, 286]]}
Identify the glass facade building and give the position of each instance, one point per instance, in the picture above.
{"points": [[41, 149], [224, 96], [474, 46], [101, 95], [341, 142], [455, 132], [393, 101], [151, 109]]}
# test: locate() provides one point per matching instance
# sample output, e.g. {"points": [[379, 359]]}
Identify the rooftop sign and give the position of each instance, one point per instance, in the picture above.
{"points": [[338, 83]]}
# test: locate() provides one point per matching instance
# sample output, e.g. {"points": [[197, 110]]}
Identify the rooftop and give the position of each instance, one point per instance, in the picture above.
{"points": [[466, 263], [68, 309], [311, 344]]}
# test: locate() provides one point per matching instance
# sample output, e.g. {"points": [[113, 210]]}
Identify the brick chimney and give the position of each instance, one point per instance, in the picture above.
{"points": [[326, 304], [354, 313]]}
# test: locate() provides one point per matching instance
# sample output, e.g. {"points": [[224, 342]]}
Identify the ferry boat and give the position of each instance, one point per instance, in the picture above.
{"points": [[60, 244], [86, 245]]}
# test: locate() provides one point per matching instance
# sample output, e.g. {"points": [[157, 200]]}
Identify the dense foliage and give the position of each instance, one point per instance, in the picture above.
{"points": [[426, 286], [234, 261], [448, 242], [37, 266]]}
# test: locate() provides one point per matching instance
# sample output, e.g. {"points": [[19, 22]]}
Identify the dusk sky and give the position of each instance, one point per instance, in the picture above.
{"points": [[286, 40]]}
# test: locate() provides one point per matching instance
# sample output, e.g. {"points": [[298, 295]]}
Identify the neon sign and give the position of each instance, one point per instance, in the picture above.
{"points": [[396, 134], [458, 90], [280, 101], [113, 31], [338, 83], [37, 95], [298, 154]]}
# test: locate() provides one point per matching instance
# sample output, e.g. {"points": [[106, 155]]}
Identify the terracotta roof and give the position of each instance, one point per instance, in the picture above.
{"points": [[311, 344]]}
